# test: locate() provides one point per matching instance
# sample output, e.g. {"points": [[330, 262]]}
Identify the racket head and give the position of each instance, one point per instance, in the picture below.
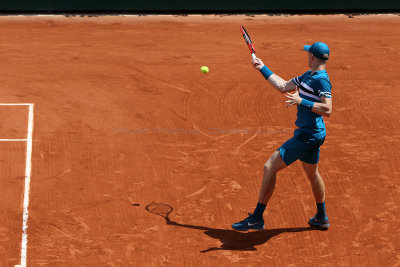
{"points": [[160, 209], [248, 40]]}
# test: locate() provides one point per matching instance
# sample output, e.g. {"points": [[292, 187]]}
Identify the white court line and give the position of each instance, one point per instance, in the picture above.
{"points": [[11, 140], [28, 164], [15, 104]]}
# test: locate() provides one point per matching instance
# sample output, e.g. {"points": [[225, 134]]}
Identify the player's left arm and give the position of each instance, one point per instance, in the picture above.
{"points": [[324, 108]]}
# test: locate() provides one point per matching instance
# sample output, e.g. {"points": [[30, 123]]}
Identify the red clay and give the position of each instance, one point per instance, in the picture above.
{"points": [[124, 116]]}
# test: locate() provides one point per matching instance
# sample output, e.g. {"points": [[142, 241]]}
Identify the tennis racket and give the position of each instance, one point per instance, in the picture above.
{"points": [[160, 209], [249, 42]]}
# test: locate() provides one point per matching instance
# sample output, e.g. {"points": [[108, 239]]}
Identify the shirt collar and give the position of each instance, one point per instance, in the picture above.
{"points": [[319, 71]]}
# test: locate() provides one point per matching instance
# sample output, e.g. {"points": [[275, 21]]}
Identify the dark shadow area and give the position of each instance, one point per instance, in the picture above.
{"points": [[234, 240]]}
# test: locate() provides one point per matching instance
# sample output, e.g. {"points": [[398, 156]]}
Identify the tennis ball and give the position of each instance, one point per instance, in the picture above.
{"points": [[204, 69]]}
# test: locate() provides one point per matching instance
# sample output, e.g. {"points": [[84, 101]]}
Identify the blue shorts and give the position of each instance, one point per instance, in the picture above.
{"points": [[300, 148]]}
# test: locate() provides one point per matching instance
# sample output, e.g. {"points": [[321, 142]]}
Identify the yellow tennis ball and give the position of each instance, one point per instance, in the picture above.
{"points": [[204, 69]]}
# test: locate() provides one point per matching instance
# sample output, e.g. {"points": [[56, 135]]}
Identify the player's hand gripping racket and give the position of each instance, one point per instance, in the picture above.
{"points": [[248, 42]]}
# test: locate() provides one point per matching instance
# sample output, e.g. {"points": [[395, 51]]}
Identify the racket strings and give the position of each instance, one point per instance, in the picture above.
{"points": [[159, 208]]}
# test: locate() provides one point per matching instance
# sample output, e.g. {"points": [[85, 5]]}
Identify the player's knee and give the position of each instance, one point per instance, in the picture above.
{"points": [[268, 166], [272, 163]]}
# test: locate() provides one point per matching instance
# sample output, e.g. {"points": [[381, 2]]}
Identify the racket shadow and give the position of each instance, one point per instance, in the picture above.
{"points": [[234, 240]]}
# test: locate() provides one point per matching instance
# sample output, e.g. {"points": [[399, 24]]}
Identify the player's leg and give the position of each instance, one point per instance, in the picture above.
{"points": [[255, 220], [318, 187], [288, 153], [274, 164], [316, 181]]}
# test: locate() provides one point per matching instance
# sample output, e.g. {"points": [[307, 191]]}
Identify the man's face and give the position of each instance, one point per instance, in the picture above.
{"points": [[310, 59]]}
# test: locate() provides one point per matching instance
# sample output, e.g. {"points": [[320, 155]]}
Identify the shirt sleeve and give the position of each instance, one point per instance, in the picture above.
{"points": [[297, 80], [324, 88]]}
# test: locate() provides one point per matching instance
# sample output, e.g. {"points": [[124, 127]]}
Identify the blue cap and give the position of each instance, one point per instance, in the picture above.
{"points": [[320, 50]]}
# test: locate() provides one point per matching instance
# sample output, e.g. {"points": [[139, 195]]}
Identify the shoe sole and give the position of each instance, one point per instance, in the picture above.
{"points": [[323, 226], [244, 230]]}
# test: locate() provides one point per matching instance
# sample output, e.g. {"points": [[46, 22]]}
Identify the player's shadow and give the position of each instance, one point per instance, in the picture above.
{"points": [[233, 240]]}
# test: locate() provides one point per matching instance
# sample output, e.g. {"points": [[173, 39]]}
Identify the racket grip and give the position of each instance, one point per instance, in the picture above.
{"points": [[253, 55]]}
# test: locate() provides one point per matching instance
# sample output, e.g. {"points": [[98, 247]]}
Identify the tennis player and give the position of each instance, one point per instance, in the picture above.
{"points": [[312, 95]]}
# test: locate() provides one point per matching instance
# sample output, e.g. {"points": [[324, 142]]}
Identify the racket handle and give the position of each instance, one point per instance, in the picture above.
{"points": [[253, 55]]}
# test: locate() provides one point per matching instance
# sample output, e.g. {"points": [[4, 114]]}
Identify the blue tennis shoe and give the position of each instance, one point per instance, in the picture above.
{"points": [[322, 222], [250, 223]]}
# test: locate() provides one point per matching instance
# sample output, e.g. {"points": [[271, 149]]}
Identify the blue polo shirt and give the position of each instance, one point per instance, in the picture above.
{"points": [[312, 87]]}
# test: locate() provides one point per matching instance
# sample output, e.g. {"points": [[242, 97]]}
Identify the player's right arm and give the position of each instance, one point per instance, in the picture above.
{"points": [[277, 82]]}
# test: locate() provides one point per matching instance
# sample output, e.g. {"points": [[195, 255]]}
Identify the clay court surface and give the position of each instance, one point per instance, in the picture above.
{"points": [[123, 117]]}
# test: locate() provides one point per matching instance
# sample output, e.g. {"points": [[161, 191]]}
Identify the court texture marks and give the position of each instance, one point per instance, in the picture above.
{"points": [[106, 115]]}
